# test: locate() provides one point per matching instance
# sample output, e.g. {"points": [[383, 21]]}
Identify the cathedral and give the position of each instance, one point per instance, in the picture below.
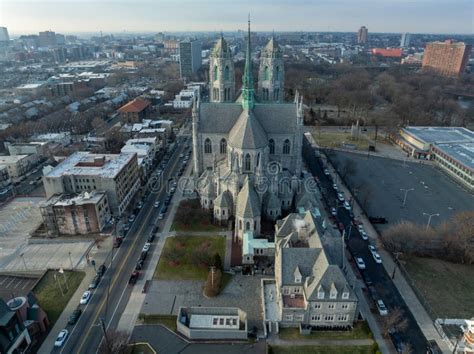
{"points": [[247, 149]]}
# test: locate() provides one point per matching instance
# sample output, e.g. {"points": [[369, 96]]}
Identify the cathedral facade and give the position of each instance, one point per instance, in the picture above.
{"points": [[247, 151]]}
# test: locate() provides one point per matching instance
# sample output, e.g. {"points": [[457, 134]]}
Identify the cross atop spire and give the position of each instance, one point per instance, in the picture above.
{"points": [[247, 80]]}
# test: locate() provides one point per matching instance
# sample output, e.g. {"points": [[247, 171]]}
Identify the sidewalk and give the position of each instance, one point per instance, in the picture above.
{"points": [[274, 340], [419, 313], [99, 255]]}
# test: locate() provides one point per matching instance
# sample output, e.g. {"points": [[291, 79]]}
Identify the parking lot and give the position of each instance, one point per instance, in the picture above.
{"points": [[377, 183], [15, 286]]}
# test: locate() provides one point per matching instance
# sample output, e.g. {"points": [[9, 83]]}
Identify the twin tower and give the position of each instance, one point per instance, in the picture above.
{"points": [[270, 74]]}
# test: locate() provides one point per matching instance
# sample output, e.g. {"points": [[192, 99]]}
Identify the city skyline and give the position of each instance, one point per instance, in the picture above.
{"points": [[426, 16]]}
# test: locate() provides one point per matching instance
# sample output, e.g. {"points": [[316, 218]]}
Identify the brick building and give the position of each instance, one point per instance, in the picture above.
{"points": [[446, 58], [135, 111]]}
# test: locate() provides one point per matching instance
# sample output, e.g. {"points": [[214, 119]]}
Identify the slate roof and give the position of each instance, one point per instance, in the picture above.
{"points": [[328, 277], [247, 133], [248, 202], [275, 118], [272, 47], [271, 201], [221, 49], [303, 258], [223, 200]]}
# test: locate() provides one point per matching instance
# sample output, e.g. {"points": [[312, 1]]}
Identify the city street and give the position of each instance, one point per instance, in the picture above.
{"points": [[111, 296], [377, 274]]}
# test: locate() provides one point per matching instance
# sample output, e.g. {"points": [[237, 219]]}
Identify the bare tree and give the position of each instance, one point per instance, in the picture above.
{"points": [[116, 342], [394, 320], [348, 168]]}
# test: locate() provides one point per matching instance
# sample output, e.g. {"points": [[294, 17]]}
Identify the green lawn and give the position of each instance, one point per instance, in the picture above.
{"points": [[439, 281], [323, 349], [186, 257], [361, 330], [168, 321], [49, 295], [336, 140], [191, 217]]}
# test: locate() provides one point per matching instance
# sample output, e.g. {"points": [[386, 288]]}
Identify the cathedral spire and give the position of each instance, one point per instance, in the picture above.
{"points": [[247, 80]]}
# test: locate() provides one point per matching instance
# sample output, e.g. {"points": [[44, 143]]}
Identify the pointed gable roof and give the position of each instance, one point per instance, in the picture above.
{"points": [[247, 132], [223, 200], [221, 49], [272, 49], [248, 202]]}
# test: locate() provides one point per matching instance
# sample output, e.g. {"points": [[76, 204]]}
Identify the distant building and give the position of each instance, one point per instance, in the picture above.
{"points": [[212, 323], [135, 111], [63, 138], [60, 54], [47, 39], [6, 185], [387, 52], [446, 58], [171, 46], [80, 214], [405, 41], [146, 149], [190, 59], [4, 37], [363, 35], [116, 174], [38, 148]]}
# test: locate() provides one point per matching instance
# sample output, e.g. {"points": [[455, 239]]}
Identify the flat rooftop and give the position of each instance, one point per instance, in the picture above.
{"points": [[11, 159], [78, 199], [86, 164], [464, 153], [440, 135]]}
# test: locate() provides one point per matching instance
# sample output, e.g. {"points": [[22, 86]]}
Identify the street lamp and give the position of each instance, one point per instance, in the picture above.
{"points": [[406, 193], [429, 219]]}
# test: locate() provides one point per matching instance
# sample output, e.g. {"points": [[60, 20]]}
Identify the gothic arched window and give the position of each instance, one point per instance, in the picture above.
{"points": [[207, 146], [247, 162], [286, 147], [247, 226], [271, 144], [226, 73], [223, 146], [266, 74], [216, 73], [277, 73]]}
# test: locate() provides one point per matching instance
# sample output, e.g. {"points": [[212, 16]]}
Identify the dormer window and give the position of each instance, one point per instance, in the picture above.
{"points": [[320, 294], [298, 279], [345, 295], [333, 294]]}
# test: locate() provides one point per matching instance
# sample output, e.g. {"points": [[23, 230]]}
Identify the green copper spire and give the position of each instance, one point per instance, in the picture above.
{"points": [[247, 80]]}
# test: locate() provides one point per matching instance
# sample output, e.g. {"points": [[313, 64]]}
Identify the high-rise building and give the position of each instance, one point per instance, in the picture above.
{"points": [[405, 41], [47, 39], [60, 39], [362, 35], [446, 58], [4, 37], [190, 58]]}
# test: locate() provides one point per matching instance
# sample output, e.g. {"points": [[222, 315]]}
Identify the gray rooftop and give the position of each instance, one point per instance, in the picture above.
{"points": [[275, 118], [439, 135], [464, 153], [75, 165]]}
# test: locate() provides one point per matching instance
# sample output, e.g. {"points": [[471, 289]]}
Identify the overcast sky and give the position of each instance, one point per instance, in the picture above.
{"points": [[65, 16]]}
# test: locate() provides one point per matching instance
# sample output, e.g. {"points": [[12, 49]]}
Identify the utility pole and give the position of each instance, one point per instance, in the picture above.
{"points": [[212, 276]]}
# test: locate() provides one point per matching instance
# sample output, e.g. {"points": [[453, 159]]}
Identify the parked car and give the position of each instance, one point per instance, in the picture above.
{"points": [[117, 242], [396, 340], [333, 211], [340, 196], [101, 270], [146, 247], [360, 263], [378, 219], [140, 205], [126, 228], [61, 338], [367, 279], [85, 297], [95, 282], [74, 316], [372, 249], [155, 229], [363, 235], [326, 172], [134, 277], [157, 204], [377, 258], [150, 238], [382, 308], [143, 256], [334, 186], [347, 206], [131, 218], [139, 264]]}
